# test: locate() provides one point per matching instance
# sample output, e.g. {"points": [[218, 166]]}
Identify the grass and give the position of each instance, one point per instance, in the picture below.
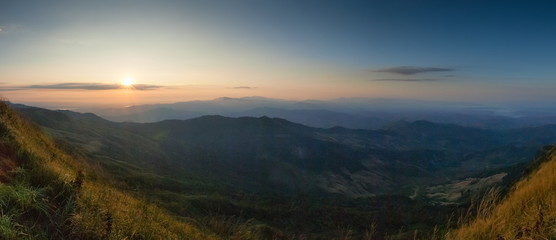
{"points": [[52, 195], [528, 211], [105, 212]]}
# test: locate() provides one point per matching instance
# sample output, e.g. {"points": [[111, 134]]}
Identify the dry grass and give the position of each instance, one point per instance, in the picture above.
{"points": [[88, 209], [108, 212], [528, 212]]}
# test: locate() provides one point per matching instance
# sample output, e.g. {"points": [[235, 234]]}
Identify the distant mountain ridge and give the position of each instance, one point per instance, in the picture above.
{"points": [[358, 113]]}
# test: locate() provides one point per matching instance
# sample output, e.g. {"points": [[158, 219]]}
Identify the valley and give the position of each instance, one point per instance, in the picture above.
{"points": [[284, 175]]}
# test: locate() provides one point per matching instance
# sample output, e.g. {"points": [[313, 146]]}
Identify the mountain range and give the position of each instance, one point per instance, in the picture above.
{"points": [[271, 153], [356, 113], [285, 175]]}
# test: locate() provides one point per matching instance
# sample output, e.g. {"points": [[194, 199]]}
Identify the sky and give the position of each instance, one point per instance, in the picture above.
{"points": [[79, 53]]}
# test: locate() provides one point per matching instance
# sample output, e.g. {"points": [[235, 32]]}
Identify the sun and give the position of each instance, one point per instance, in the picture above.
{"points": [[127, 82]]}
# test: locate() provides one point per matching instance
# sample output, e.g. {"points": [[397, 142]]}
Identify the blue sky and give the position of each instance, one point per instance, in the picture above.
{"points": [[481, 51]]}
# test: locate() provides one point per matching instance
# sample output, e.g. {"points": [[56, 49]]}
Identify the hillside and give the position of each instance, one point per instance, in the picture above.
{"points": [[528, 211], [286, 180], [46, 193], [232, 175], [108, 199], [275, 155]]}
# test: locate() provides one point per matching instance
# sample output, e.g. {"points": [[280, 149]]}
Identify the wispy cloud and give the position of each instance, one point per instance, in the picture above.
{"points": [[144, 87], [83, 86], [244, 87], [9, 28], [407, 80], [75, 86], [410, 70]]}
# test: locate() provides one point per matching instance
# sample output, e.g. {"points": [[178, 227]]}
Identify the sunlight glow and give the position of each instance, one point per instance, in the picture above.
{"points": [[127, 82]]}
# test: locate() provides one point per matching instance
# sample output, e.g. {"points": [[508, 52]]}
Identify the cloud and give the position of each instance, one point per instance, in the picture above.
{"points": [[244, 87], [83, 86], [409, 70], [4, 29], [144, 87], [75, 86], [407, 80]]}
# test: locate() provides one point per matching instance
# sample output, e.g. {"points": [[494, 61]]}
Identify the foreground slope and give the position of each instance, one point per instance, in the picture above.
{"points": [[528, 212], [47, 194]]}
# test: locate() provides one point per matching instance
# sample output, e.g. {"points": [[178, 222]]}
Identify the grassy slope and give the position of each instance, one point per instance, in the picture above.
{"points": [[47, 194], [528, 212]]}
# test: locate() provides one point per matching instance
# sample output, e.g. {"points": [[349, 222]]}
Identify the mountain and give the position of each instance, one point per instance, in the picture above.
{"points": [[46, 193], [186, 110], [285, 180], [317, 118], [360, 113], [137, 114], [527, 212], [271, 154], [82, 193]]}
